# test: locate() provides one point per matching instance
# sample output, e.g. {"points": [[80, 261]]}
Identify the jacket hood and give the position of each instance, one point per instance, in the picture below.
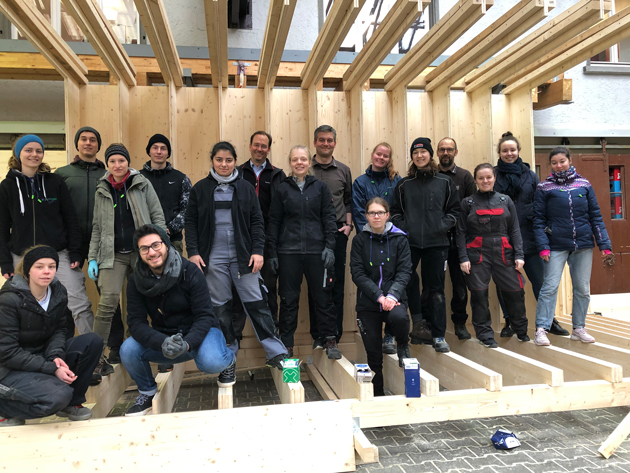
{"points": [[84, 164], [390, 229], [147, 167], [18, 285]]}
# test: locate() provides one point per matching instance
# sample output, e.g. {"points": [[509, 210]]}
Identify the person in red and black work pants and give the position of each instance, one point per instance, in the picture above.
{"points": [[490, 245]]}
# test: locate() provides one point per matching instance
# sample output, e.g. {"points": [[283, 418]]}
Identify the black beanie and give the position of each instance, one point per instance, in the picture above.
{"points": [[157, 138], [38, 253], [151, 228], [421, 143], [117, 149], [91, 130]]}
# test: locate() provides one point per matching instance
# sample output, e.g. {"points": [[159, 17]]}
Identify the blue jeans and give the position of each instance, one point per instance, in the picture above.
{"points": [[580, 263], [212, 356]]}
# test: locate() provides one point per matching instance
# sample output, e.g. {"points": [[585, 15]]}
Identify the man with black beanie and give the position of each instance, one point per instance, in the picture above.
{"points": [[172, 187]]}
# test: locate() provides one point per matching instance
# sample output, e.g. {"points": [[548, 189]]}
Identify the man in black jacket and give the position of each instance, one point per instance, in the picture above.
{"points": [[172, 292]]}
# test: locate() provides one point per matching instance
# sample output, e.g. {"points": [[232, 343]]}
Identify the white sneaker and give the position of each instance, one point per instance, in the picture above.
{"points": [[582, 335], [541, 337]]}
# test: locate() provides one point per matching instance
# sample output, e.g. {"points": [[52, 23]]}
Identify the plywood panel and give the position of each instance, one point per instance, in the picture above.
{"points": [[243, 114], [462, 129], [289, 124], [441, 98], [148, 115], [100, 109]]}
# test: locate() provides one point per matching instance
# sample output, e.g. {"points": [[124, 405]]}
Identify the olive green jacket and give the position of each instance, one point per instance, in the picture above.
{"points": [[145, 208]]}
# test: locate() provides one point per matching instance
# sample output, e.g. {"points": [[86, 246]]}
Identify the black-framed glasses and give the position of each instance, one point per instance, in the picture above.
{"points": [[155, 246], [380, 213]]}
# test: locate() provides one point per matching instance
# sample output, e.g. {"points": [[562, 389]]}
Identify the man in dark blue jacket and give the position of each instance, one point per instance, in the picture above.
{"points": [[172, 292]]}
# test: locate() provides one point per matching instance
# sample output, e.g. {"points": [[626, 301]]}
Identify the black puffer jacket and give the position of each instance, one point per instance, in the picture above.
{"points": [[31, 337], [426, 207], [301, 221], [186, 307], [380, 264]]}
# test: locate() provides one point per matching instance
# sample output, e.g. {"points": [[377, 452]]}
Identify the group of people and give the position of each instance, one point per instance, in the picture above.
{"points": [[252, 233]]}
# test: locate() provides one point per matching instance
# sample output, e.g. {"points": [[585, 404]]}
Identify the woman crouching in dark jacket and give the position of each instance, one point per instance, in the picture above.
{"points": [[301, 239], [40, 372], [381, 268]]}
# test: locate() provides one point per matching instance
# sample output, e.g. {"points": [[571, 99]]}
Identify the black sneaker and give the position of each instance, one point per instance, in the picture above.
{"points": [[462, 332], [96, 378], [227, 377], [142, 407], [318, 344], [557, 329], [102, 369], [490, 343], [403, 352], [507, 331], [276, 361], [523, 338], [440, 345], [421, 333], [11, 421], [114, 356], [389, 347], [164, 368], [78, 412], [332, 351]]}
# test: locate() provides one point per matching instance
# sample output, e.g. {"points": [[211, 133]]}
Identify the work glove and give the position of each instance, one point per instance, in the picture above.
{"points": [[93, 270], [274, 265], [328, 257], [174, 346]]}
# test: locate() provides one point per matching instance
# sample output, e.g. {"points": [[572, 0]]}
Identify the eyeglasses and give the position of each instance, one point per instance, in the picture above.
{"points": [[380, 213], [446, 150], [155, 246]]}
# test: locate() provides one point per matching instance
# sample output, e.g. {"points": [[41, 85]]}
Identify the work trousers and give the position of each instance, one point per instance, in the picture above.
{"points": [[459, 300], [535, 271]]}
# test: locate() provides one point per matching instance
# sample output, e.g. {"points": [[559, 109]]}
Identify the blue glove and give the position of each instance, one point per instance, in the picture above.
{"points": [[328, 257], [93, 270]]}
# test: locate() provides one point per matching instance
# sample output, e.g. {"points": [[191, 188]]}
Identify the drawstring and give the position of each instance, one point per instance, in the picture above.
{"points": [[371, 250], [44, 188], [387, 235], [17, 179]]}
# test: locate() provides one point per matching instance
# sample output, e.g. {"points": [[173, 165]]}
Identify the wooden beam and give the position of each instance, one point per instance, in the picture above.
{"points": [[34, 27], [516, 21], [556, 93], [443, 34], [108, 392], [550, 35], [336, 27], [365, 449], [99, 32], [289, 393], [168, 387], [616, 438], [394, 378], [226, 398], [601, 36], [339, 374], [216, 28], [320, 383], [393, 27], [276, 32], [155, 22]]}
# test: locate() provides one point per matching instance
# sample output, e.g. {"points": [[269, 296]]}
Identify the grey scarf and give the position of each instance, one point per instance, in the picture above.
{"points": [[224, 180], [150, 286]]}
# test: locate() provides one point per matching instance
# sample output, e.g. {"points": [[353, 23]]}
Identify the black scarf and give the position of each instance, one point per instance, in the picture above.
{"points": [[512, 173], [149, 285]]}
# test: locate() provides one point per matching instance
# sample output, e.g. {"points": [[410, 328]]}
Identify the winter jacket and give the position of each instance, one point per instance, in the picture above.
{"points": [[82, 177], [524, 203], [173, 189], [247, 219], [490, 219], [266, 184], [31, 337], [145, 208], [186, 307], [301, 221], [567, 217], [426, 207], [367, 186], [381, 265], [44, 215]]}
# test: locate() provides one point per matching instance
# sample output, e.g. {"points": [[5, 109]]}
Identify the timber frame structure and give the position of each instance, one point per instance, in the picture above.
{"points": [[455, 99]]}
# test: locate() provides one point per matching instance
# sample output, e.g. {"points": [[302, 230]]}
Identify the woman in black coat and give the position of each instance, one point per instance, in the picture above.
{"points": [[301, 239], [381, 268], [40, 372]]}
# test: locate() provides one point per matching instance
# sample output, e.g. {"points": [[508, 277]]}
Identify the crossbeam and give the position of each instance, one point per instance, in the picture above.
{"points": [[289, 393], [276, 32], [168, 387], [554, 93], [216, 28], [339, 374]]}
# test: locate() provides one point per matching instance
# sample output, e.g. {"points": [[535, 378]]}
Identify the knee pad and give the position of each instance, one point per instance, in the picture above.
{"points": [[224, 314]]}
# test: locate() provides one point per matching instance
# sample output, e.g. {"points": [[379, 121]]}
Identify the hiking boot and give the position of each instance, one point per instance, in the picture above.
{"points": [[523, 338], [389, 347], [318, 344], [96, 378], [114, 356], [489, 343], [227, 377], [556, 329], [102, 369], [507, 331], [289, 352], [11, 421], [582, 335], [541, 337], [164, 368], [276, 361], [332, 351], [403, 352], [440, 345], [78, 412], [462, 332], [421, 333], [143, 406]]}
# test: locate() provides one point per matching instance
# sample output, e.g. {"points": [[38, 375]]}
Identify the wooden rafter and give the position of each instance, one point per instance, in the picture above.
{"points": [[216, 27], [601, 36], [155, 22], [276, 32], [543, 40], [397, 21], [336, 27], [34, 27], [495, 37], [444, 33], [99, 32]]}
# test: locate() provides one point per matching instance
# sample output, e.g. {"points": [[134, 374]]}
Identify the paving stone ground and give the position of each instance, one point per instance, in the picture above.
{"points": [[554, 442]]}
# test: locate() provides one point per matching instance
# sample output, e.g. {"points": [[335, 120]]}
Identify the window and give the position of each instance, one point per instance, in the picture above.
{"points": [[616, 176]]}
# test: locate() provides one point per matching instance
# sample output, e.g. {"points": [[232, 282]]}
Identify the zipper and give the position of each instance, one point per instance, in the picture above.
{"points": [[33, 200], [87, 210]]}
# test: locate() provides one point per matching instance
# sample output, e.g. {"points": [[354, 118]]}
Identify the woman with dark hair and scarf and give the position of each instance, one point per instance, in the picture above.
{"points": [[515, 179]]}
